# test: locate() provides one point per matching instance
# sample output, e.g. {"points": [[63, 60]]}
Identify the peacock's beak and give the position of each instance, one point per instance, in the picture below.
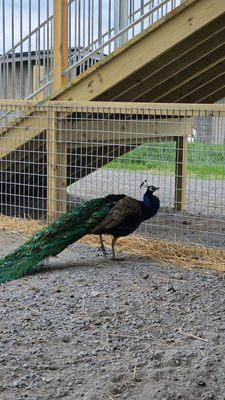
{"points": [[156, 188]]}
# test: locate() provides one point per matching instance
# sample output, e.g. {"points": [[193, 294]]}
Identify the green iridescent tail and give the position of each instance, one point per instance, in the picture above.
{"points": [[51, 240]]}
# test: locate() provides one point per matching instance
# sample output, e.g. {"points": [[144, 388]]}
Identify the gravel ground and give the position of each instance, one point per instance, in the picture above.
{"points": [[88, 328]]}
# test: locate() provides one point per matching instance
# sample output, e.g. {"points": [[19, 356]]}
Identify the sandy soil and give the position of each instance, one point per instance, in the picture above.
{"points": [[94, 329]]}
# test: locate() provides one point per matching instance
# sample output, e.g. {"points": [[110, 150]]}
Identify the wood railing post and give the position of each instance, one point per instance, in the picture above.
{"points": [[60, 46], [56, 169], [181, 173], [56, 147]]}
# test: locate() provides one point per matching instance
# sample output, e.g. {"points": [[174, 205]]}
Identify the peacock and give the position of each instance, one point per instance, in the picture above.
{"points": [[115, 214]]}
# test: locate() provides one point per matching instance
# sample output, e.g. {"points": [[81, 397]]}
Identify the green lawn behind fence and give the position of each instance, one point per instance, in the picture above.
{"points": [[204, 160]]}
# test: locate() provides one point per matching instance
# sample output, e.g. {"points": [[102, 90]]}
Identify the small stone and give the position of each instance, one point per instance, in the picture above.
{"points": [[57, 289], [66, 338], [178, 275], [201, 383], [221, 328], [171, 289], [97, 322], [95, 293], [156, 285]]}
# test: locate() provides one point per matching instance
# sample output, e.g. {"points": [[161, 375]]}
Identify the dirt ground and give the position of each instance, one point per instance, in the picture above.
{"points": [[93, 329]]}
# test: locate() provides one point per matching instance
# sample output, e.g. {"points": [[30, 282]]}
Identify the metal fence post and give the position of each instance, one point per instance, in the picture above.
{"points": [[120, 20]]}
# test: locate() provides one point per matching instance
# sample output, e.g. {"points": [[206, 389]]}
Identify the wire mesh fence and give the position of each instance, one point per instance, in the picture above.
{"points": [[54, 156]]}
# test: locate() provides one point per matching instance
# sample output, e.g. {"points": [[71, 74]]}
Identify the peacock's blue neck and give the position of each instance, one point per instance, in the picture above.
{"points": [[146, 200], [151, 205]]}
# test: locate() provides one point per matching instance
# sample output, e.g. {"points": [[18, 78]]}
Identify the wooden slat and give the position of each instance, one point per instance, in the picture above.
{"points": [[109, 131], [19, 134], [16, 102], [192, 86], [184, 55], [147, 108]]}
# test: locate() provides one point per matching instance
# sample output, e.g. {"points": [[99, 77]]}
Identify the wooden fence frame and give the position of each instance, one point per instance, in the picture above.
{"points": [[56, 201]]}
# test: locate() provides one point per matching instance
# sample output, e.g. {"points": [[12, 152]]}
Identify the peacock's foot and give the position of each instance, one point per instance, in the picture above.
{"points": [[104, 252], [100, 252]]}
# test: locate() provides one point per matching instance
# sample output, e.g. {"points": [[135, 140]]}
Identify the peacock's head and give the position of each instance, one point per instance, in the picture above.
{"points": [[148, 195], [149, 188]]}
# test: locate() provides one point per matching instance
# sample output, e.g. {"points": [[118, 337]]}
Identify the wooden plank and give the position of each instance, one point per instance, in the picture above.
{"points": [[211, 86], [192, 86], [112, 131], [147, 108], [181, 173], [14, 137], [56, 170], [60, 49], [184, 55], [16, 102], [174, 88]]}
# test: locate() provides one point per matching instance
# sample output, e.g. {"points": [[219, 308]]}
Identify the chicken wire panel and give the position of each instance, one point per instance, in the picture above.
{"points": [[55, 156]]}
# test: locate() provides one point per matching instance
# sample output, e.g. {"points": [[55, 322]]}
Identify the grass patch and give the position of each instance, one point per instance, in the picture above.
{"points": [[204, 160]]}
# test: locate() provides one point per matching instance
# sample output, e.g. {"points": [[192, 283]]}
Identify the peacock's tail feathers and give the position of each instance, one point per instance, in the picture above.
{"points": [[50, 241]]}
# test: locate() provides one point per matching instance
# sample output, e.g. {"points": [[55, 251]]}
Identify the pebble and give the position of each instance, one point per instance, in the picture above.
{"points": [[95, 293]]}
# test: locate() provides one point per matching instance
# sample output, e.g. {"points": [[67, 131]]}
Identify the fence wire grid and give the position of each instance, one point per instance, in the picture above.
{"points": [[52, 157]]}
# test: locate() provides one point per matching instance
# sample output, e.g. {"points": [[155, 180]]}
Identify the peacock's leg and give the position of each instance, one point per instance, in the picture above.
{"points": [[114, 239], [102, 246]]}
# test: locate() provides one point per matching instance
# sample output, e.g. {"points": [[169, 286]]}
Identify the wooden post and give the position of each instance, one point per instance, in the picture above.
{"points": [[56, 169], [181, 173], [57, 149], [60, 50]]}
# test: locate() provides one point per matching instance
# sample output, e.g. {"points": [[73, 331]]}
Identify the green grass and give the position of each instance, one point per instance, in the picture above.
{"points": [[204, 160]]}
